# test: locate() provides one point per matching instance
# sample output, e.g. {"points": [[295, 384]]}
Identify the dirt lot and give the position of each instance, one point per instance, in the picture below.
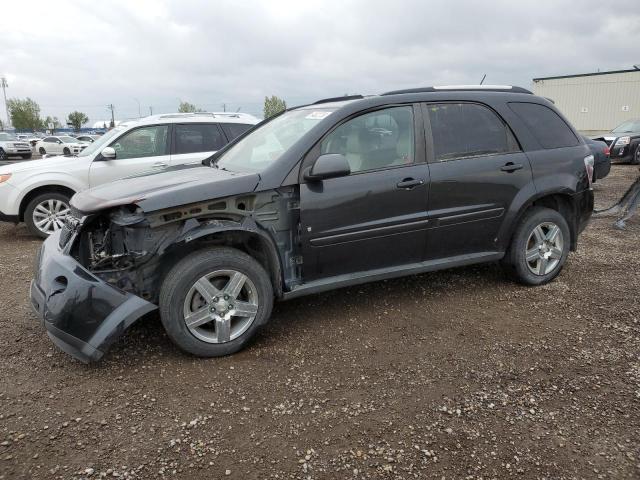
{"points": [[458, 374]]}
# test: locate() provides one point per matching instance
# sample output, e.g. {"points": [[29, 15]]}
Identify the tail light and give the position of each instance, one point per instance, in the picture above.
{"points": [[588, 166], [607, 151]]}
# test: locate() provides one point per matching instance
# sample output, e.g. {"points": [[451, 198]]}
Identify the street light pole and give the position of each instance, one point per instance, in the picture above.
{"points": [[4, 84], [139, 114]]}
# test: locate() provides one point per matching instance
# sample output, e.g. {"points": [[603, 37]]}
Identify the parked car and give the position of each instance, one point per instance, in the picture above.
{"points": [[314, 199], [38, 192], [11, 146], [87, 138], [59, 145], [602, 161], [624, 142]]}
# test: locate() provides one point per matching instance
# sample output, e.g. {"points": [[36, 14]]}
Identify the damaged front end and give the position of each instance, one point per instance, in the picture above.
{"points": [[104, 269]]}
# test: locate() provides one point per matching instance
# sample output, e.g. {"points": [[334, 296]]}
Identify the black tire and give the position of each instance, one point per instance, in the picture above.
{"points": [[26, 157], [515, 262], [66, 151], [182, 277], [3, 154], [28, 213], [635, 160], [42, 151]]}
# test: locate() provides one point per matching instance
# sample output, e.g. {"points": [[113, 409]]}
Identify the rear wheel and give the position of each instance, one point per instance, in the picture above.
{"points": [[42, 151], [45, 213], [539, 247], [214, 301]]}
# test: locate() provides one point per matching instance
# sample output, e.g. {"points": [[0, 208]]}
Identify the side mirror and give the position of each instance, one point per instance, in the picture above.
{"points": [[329, 165], [60, 142], [108, 153]]}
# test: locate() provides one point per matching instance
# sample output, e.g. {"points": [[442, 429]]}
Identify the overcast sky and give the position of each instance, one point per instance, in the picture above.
{"points": [[82, 55]]}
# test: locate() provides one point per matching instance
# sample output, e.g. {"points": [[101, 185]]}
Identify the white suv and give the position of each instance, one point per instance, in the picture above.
{"points": [[38, 192]]}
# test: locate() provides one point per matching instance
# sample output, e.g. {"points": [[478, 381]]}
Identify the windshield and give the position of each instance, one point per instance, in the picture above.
{"points": [[99, 144], [263, 146], [4, 137], [629, 126]]}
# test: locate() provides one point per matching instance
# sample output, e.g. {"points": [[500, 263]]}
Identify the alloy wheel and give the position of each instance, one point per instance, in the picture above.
{"points": [[48, 216], [544, 248], [3, 155], [221, 306]]}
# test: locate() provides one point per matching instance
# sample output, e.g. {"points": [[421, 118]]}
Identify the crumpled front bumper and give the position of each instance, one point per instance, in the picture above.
{"points": [[83, 315]]}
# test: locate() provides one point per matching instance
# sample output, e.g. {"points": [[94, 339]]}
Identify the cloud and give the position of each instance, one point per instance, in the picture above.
{"points": [[70, 55]]}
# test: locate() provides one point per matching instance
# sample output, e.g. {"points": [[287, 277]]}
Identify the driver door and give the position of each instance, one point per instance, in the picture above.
{"points": [[375, 217], [141, 150]]}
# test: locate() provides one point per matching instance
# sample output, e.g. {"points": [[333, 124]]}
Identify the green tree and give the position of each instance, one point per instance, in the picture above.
{"points": [[186, 107], [24, 113], [51, 121], [273, 106], [77, 119]]}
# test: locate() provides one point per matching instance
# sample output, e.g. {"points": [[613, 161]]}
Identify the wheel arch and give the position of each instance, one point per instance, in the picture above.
{"points": [[247, 237], [39, 190], [559, 201]]}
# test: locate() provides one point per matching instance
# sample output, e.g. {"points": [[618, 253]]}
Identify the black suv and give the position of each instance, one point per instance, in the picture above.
{"points": [[344, 191]]}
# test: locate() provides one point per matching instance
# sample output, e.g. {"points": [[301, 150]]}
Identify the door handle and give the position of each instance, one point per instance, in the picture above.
{"points": [[409, 183], [160, 165], [511, 167]]}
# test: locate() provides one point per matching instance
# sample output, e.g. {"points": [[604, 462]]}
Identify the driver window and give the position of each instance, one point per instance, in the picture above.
{"points": [[142, 142], [375, 140]]}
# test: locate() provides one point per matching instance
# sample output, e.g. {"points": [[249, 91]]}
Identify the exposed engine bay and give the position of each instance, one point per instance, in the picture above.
{"points": [[132, 250]]}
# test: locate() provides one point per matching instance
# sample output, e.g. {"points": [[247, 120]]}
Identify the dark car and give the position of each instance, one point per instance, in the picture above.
{"points": [[624, 142], [337, 193], [602, 161]]}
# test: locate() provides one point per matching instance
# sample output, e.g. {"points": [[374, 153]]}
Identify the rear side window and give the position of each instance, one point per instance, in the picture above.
{"points": [[462, 130], [195, 138], [545, 124], [234, 130]]}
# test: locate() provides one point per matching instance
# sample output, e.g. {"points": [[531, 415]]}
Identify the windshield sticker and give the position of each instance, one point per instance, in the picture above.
{"points": [[319, 115]]}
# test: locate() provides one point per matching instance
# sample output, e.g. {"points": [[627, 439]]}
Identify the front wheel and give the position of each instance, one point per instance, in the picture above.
{"points": [[3, 154], [213, 301], [45, 213], [539, 248], [66, 151], [636, 156]]}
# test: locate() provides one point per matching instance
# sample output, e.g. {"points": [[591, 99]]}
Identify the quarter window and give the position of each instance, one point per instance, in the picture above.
{"points": [[375, 140], [545, 124], [234, 130], [194, 138], [463, 130], [142, 142]]}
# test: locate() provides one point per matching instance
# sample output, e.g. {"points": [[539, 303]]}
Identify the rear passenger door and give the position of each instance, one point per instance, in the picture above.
{"points": [[477, 169], [193, 142]]}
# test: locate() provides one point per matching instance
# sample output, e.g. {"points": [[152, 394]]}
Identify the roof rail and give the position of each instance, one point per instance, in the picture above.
{"points": [[338, 99], [206, 114], [485, 88]]}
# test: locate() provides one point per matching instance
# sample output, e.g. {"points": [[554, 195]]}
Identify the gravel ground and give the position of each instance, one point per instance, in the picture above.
{"points": [[457, 374]]}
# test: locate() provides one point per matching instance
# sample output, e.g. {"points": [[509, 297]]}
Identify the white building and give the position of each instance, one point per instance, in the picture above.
{"points": [[594, 102]]}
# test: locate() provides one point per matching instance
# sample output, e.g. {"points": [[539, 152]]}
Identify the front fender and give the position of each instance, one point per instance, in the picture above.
{"points": [[194, 231]]}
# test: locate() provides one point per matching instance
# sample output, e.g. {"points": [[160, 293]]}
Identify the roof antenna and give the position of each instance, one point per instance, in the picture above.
{"points": [[483, 77]]}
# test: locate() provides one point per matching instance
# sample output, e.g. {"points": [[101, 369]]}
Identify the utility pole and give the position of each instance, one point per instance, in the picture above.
{"points": [[113, 121], [4, 84], [150, 110], [224, 107]]}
